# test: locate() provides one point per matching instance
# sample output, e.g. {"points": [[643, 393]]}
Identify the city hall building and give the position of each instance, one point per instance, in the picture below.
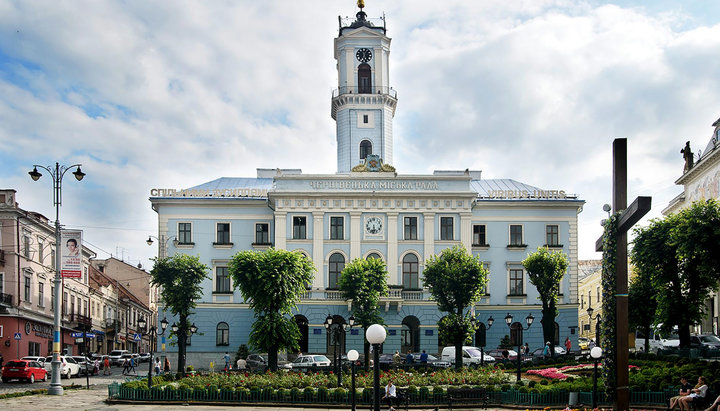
{"points": [[369, 209]]}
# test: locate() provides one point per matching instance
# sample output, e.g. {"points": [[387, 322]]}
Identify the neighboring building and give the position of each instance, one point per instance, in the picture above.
{"points": [[116, 309], [368, 210], [590, 295], [27, 291], [700, 181]]}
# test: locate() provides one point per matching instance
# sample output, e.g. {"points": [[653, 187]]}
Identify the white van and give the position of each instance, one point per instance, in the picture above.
{"points": [[471, 355]]}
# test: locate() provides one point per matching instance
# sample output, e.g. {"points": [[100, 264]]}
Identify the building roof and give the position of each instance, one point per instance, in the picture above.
{"points": [[103, 280], [588, 267]]}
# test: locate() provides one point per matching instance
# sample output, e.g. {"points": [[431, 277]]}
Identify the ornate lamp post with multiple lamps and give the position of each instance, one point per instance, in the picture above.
{"points": [[509, 320], [175, 328], [376, 334], [57, 174], [336, 331], [153, 340]]}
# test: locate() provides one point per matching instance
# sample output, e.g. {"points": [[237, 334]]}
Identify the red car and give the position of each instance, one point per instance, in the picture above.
{"points": [[23, 370]]}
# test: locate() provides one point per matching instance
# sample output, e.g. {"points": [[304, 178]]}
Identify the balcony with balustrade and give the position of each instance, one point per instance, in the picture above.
{"points": [[80, 322]]}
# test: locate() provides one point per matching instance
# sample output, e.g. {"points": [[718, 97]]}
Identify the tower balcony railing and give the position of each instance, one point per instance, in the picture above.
{"points": [[364, 90], [395, 293]]}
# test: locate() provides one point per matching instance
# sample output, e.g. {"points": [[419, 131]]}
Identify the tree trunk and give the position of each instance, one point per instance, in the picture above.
{"points": [[273, 358], [182, 339], [548, 326], [684, 334], [458, 355]]}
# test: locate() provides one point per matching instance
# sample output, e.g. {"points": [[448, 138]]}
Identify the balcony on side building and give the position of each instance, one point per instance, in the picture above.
{"points": [[111, 325], [80, 322]]}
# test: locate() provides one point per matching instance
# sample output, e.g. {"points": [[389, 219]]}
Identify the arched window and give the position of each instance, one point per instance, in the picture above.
{"points": [[516, 334], [302, 323], [222, 334], [557, 334], [410, 335], [364, 77], [337, 264], [365, 149], [374, 255], [410, 271]]}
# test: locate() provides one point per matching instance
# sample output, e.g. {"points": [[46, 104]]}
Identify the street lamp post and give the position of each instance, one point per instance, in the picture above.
{"points": [[509, 320], [483, 341], [375, 335], [162, 247], [595, 353], [57, 174], [193, 329], [153, 340], [336, 330], [597, 324], [353, 355]]}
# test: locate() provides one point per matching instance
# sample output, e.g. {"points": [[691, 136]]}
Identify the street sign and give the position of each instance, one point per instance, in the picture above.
{"points": [[137, 337], [18, 336], [76, 335]]}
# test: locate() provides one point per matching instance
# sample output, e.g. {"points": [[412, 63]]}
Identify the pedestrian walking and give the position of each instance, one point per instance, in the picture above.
{"points": [[132, 366], [126, 366], [226, 357], [166, 368], [106, 366], [157, 366]]}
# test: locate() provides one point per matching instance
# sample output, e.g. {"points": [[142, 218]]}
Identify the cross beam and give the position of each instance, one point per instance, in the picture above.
{"points": [[629, 217]]}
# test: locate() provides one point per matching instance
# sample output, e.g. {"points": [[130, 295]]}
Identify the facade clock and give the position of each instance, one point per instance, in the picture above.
{"points": [[373, 225], [363, 55]]}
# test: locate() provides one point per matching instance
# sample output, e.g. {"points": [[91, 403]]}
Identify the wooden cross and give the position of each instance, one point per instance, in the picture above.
{"points": [[628, 217]]}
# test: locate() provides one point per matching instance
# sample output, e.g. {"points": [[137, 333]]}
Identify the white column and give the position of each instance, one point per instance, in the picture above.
{"points": [[392, 247], [318, 240], [280, 230], [355, 235], [466, 231]]}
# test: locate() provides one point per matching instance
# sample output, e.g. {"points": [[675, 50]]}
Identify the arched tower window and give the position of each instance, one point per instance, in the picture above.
{"points": [[365, 149], [410, 271], [364, 79], [222, 334], [337, 264]]}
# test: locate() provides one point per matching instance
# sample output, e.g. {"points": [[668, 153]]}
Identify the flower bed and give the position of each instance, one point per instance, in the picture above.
{"points": [[560, 373]]}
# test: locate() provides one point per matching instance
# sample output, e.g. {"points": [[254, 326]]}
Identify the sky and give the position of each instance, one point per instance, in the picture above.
{"points": [[172, 94]]}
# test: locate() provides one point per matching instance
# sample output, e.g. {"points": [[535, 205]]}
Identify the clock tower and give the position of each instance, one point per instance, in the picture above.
{"points": [[363, 106]]}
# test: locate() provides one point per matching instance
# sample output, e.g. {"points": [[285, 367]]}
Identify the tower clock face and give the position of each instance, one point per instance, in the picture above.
{"points": [[373, 225], [363, 55]]}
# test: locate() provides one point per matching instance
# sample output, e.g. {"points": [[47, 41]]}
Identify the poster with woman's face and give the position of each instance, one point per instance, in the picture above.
{"points": [[71, 254]]}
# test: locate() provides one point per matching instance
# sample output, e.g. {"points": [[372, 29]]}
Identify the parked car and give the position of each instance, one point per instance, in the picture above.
{"points": [[538, 353], [41, 360], [471, 355], [259, 361], [307, 361], [583, 343], [116, 356], [24, 370], [706, 341], [69, 367], [432, 361], [86, 366], [497, 354], [144, 357]]}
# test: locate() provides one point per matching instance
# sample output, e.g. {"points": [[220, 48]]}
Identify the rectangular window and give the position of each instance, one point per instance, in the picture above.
{"points": [[28, 280], [598, 295], [589, 298], [516, 281], [516, 234], [26, 246], [185, 233], [41, 294], [582, 301], [34, 349], [365, 119], [65, 303], [479, 234], [52, 259], [223, 233], [84, 305], [222, 280], [410, 224], [337, 231], [41, 252], [446, 228], [299, 227], [52, 298], [262, 233], [2, 282], [72, 304], [552, 235]]}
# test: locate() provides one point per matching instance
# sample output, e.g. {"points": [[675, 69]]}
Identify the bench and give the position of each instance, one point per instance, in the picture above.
{"points": [[700, 403], [472, 396]]}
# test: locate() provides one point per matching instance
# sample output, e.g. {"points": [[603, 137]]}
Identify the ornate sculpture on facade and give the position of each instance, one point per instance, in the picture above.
{"points": [[688, 156], [373, 162]]}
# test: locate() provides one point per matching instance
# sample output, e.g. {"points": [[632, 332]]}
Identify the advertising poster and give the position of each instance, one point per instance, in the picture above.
{"points": [[71, 254]]}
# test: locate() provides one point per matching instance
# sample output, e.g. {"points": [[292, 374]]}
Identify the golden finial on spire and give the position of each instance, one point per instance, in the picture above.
{"points": [[361, 3]]}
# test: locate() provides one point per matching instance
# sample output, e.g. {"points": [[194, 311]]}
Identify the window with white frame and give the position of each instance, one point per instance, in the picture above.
{"points": [[262, 233], [447, 231], [28, 282], [516, 282], [41, 294], [41, 251], [223, 233], [299, 227], [337, 228], [411, 229], [552, 235], [26, 246], [222, 334], [335, 266], [516, 235], [185, 233], [410, 271], [222, 280], [479, 234]]}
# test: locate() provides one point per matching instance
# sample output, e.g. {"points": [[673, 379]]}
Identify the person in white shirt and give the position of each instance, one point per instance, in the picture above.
{"points": [[390, 394], [241, 364], [700, 391]]}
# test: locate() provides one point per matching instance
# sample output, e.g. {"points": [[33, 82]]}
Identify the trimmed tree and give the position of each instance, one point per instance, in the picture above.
{"points": [[179, 278], [272, 281], [682, 254], [363, 282], [642, 304], [456, 281], [545, 270]]}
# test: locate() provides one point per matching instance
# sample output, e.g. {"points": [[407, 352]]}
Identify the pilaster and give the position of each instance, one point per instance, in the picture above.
{"points": [[392, 247], [318, 240]]}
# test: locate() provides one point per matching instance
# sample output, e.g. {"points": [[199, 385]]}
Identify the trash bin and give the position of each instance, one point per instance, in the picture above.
{"points": [[573, 400]]}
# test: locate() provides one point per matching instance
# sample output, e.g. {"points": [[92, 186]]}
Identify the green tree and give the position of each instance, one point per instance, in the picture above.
{"points": [[545, 270], [642, 304], [272, 281], [179, 278], [456, 281], [363, 282], [682, 254]]}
